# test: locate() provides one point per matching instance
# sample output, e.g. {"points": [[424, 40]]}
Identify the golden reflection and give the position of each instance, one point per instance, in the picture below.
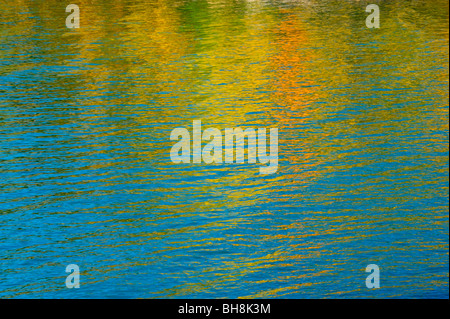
{"points": [[363, 119]]}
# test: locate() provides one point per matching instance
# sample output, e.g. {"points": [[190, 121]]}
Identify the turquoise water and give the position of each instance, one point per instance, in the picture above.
{"points": [[86, 176]]}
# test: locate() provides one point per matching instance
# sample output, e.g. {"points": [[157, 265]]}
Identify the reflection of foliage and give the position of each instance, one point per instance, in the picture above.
{"points": [[233, 62]]}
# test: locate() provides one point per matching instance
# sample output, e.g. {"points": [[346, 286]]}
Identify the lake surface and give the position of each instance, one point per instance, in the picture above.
{"points": [[85, 170]]}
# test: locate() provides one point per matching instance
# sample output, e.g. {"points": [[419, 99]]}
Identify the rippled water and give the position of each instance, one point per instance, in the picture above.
{"points": [[86, 176]]}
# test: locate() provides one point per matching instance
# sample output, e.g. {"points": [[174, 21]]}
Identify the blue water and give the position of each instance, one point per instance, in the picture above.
{"points": [[86, 176]]}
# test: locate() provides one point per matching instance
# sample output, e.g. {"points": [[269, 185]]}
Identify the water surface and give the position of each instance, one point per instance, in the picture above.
{"points": [[86, 176]]}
